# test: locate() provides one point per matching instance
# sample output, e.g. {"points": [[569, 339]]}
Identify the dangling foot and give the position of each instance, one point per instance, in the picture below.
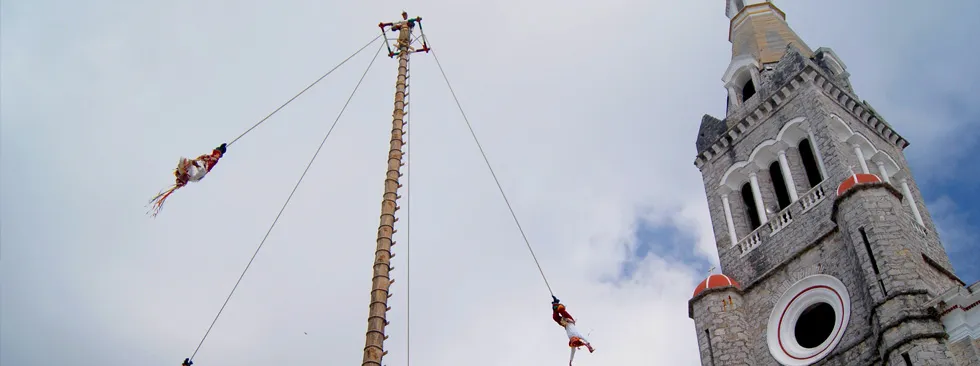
{"points": [[591, 349]]}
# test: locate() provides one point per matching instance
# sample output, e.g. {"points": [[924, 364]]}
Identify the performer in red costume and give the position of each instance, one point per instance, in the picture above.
{"points": [[575, 339]]}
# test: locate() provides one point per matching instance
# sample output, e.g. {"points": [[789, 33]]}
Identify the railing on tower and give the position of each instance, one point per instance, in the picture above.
{"points": [[812, 197], [782, 219], [915, 225]]}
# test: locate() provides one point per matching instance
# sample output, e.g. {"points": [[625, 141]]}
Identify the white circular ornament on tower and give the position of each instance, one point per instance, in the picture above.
{"points": [[808, 321]]}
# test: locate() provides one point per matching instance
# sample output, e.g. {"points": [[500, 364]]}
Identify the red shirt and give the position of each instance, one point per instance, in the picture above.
{"points": [[557, 314]]}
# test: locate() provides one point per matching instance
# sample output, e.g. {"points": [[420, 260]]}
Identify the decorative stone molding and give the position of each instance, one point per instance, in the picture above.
{"points": [[809, 293], [859, 110], [765, 108], [751, 119], [959, 310], [764, 154]]}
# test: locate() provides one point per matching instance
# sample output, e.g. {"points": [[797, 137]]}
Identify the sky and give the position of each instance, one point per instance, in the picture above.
{"points": [[588, 112]]}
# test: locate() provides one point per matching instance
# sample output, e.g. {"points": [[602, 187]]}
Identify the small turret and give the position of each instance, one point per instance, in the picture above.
{"points": [[716, 308], [855, 180], [893, 263]]}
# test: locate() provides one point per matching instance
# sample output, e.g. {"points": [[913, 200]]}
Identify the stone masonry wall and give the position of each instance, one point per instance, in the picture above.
{"points": [[936, 251], [720, 313], [878, 211], [713, 170], [842, 80], [926, 352], [798, 105], [782, 72], [898, 154], [899, 315], [965, 352], [802, 232], [832, 257]]}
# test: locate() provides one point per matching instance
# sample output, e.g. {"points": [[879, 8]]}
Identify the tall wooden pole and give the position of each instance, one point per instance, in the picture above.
{"points": [[381, 282]]}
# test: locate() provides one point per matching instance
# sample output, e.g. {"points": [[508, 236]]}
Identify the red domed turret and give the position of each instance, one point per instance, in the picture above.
{"points": [[715, 281], [856, 179]]}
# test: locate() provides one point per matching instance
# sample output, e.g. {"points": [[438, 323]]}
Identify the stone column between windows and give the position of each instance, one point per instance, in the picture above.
{"points": [[908, 196], [860, 156], [882, 171], [815, 148], [788, 176], [728, 218], [760, 206]]}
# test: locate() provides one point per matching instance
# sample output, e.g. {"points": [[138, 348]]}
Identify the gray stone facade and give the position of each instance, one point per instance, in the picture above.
{"points": [[868, 238], [722, 329], [965, 352]]}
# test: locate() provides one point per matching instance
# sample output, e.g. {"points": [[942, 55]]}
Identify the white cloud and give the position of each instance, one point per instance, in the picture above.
{"points": [[588, 114]]}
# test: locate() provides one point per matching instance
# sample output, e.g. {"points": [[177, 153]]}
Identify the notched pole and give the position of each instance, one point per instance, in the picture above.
{"points": [[381, 281]]}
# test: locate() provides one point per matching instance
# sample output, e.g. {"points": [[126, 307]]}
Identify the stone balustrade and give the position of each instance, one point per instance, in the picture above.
{"points": [[784, 218]]}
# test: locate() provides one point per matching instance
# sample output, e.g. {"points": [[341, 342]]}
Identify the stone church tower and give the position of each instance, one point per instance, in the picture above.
{"points": [[828, 252]]}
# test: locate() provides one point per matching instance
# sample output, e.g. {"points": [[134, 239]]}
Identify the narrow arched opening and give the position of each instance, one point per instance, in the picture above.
{"points": [[750, 210], [748, 90], [779, 185], [810, 166]]}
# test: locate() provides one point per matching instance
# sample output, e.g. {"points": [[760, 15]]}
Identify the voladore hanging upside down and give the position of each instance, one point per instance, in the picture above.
{"points": [[575, 339], [189, 170]]}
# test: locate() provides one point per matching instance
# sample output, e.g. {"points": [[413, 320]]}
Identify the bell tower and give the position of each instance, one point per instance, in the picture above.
{"points": [[828, 252], [759, 35]]}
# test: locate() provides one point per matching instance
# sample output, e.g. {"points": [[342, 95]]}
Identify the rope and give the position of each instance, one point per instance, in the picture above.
{"points": [[408, 223], [545, 278], [303, 91], [285, 204]]}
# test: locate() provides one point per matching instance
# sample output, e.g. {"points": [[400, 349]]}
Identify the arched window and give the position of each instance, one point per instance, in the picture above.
{"points": [[748, 90], [810, 164], [750, 210], [779, 185]]}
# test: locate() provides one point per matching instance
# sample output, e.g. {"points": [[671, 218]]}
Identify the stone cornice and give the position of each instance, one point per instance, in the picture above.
{"points": [[859, 110], [752, 118], [778, 267], [766, 108]]}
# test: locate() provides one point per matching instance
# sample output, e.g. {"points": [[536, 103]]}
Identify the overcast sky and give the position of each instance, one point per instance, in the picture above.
{"points": [[587, 110]]}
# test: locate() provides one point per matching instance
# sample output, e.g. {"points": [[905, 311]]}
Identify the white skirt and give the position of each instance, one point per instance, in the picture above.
{"points": [[572, 331]]}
